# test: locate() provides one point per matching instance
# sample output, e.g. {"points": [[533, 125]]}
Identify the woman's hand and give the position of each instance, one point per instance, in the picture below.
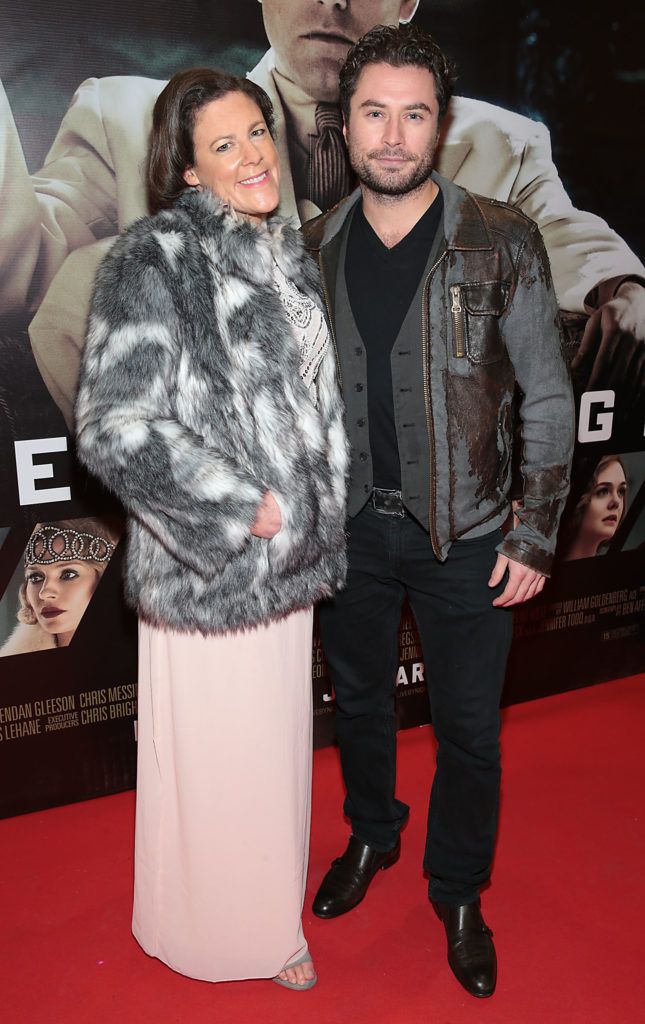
{"points": [[268, 520]]}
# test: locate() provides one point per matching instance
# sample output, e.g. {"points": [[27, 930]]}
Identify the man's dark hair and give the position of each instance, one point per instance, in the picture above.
{"points": [[403, 46], [171, 149]]}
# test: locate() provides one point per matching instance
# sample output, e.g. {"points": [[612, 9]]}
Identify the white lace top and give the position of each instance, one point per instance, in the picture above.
{"points": [[308, 325]]}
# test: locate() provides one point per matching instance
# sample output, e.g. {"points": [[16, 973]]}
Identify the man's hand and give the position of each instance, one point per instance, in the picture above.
{"points": [[268, 520], [523, 583], [612, 349]]}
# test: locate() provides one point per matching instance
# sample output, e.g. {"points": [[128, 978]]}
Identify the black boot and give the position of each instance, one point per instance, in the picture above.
{"points": [[471, 953], [349, 876]]}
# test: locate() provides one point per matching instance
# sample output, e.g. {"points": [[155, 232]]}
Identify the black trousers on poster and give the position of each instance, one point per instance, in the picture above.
{"points": [[465, 645]]}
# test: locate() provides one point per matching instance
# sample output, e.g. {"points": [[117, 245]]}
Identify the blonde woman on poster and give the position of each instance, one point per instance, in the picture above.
{"points": [[599, 510], [63, 565], [208, 404]]}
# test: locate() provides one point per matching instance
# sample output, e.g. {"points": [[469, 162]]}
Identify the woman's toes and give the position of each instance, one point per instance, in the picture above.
{"points": [[304, 972], [298, 975], [308, 970]]}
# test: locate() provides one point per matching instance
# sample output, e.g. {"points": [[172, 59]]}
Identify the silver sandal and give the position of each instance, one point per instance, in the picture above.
{"points": [[293, 985]]}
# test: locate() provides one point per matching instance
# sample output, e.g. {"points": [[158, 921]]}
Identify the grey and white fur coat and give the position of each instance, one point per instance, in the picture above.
{"points": [[190, 407]]}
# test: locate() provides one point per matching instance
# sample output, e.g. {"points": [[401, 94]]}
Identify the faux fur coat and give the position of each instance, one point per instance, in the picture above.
{"points": [[190, 407]]}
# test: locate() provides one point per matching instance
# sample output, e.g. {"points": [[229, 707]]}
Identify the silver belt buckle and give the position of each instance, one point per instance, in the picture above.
{"points": [[388, 503]]}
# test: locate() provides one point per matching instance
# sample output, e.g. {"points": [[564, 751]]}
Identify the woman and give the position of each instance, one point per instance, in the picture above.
{"points": [[599, 510], [208, 403], [64, 562]]}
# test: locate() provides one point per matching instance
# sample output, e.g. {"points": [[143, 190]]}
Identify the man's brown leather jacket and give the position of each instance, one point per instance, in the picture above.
{"points": [[490, 322]]}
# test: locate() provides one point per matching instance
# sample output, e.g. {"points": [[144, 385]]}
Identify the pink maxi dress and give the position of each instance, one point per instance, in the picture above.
{"points": [[223, 798]]}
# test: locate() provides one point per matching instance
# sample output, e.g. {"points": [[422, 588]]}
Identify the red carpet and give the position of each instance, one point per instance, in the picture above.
{"points": [[566, 904]]}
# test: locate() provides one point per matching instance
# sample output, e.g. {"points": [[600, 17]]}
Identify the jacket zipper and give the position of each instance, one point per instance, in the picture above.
{"points": [[331, 321], [457, 321], [434, 540]]}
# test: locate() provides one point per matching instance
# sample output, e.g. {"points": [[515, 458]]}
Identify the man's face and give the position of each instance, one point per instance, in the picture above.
{"points": [[393, 128], [311, 37]]}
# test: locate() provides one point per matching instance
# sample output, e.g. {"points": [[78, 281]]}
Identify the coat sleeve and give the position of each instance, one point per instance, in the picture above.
{"points": [[71, 202], [533, 340], [331, 412], [198, 501], [584, 251]]}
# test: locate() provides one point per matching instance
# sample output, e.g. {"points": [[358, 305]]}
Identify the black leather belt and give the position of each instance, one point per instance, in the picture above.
{"points": [[387, 502]]}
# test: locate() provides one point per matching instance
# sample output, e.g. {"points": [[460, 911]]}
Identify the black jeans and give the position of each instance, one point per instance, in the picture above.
{"points": [[465, 644]]}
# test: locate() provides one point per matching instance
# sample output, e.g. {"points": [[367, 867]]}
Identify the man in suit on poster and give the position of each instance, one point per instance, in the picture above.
{"points": [[440, 302], [58, 223]]}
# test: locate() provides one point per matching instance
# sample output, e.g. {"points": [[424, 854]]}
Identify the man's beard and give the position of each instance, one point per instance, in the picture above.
{"points": [[391, 183]]}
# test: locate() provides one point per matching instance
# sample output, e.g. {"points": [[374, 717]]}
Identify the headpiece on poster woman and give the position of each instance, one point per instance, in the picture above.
{"points": [[52, 543]]}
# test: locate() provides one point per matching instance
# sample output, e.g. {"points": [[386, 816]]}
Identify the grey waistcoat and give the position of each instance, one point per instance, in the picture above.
{"points": [[406, 363]]}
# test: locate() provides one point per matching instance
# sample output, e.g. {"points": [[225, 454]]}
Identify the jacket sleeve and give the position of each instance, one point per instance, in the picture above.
{"points": [[533, 340], [71, 202], [57, 331], [198, 501], [584, 251]]}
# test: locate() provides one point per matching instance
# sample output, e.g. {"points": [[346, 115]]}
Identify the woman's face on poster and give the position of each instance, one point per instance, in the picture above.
{"points": [[59, 593], [606, 505]]}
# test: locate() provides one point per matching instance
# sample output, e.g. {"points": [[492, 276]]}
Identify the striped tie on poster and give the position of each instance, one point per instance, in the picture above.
{"points": [[330, 174]]}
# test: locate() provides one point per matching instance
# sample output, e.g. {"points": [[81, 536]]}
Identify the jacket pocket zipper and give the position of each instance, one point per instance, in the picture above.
{"points": [[459, 329]]}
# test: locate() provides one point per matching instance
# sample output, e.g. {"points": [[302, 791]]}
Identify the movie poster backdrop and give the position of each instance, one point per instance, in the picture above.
{"points": [[70, 179]]}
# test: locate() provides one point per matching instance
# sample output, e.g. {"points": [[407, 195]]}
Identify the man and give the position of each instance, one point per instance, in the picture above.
{"points": [[58, 223], [440, 302]]}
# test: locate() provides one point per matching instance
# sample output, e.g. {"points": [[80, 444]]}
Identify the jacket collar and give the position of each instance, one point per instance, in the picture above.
{"points": [[262, 75], [463, 222], [240, 247]]}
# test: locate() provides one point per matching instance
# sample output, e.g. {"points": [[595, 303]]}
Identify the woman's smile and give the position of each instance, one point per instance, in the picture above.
{"points": [[258, 179]]}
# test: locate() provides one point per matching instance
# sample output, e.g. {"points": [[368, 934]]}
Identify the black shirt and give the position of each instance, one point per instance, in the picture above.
{"points": [[381, 283]]}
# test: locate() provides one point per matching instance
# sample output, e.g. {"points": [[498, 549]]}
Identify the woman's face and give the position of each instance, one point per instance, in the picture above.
{"points": [[606, 504], [59, 593], [235, 156]]}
